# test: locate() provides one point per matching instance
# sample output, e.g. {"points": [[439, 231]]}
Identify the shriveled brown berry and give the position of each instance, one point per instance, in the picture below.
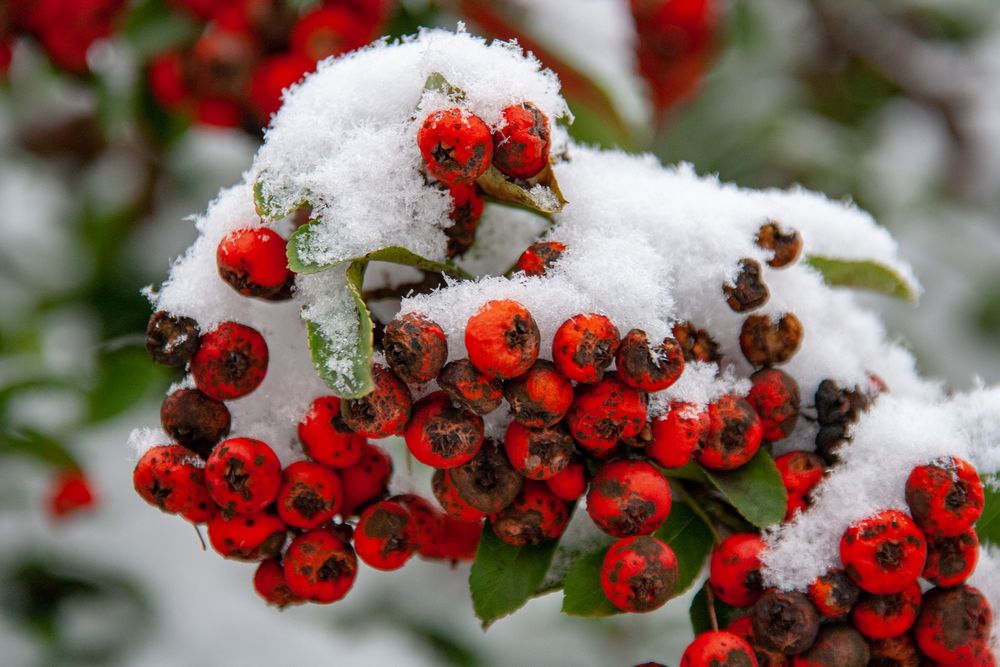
{"points": [[834, 593], [785, 622], [171, 340], [696, 344], [836, 646], [894, 652], [786, 245], [465, 385], [748, 291], [466, 210], [415, 348], [488, 482], [836, 405], [768, 343], [195, 420], [648, 368]]}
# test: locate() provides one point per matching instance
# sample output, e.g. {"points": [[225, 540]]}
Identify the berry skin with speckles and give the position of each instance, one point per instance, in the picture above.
{"points": [[320, 567], [415, 348], [765, 342], [570, 483], [536, 515], [774, 395], [521, 146], [646, 368], [718, 649], [366, 480], [167, 476], [451, 502], [748, 292], [884, 616], [386, 536], [231, 361], [951, 560], [468, 387], [894, 652], [954, 626], [734, 569], [628, 498], [734, 434], [309, 496], [834, 594], [384, 411], [785, 622], [539, 256], [800, 473], [269, 582], [604, 413], [466, 211], [538, 453], [540, 397], [502, 339], [786, 245], [252, 261], [835, 646], [250, 537], [70, 493], [677, 435], [488, 482], [584, 346], [456, 146], [442, 435], [243, 475], [171, 340], [884, 553], [696, 344], [195, 420], [945, 497], [326, 438], [427, 522], [639, 573]]}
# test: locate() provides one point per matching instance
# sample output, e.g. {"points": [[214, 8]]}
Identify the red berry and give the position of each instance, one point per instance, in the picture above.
{"points": [[786, 245], [309, 496], [466, 210], [734, 571], [167, 80], [718, 648], [218, 112], [540, 397], [645, 368], [416, 349], [535, 515], [954, 626], [384, 411], [884, 553], [502, 339], [835, 646], [748, 291], [584, 346], [628, 498], [734, 434], [468, 387], [639, 573], [951, 560], [427, 522], [195, 420], [765, 342], [521, 146], [539, 256], [884, 616], [202, 9], [945, 497], [677, 435], [800, 473], [326, 438], [834, 594], [222, 62], [243, 475], [272, 76], [231, 361], [366, 480], [604, 413], [456, 146], [570, 483], [785, 622], [450, 500], [774, 395], [538, 453], [441, 435], [488, 482], [458, 540], [320, 567], [171, 340], [252, 261], [386, 536], [169, 477], [252, 536], [328, 31], [269, 582], [70, 493]]}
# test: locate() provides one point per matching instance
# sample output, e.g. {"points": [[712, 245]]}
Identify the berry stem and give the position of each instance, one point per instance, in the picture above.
{"points": [[710, 601], [201, 538]]}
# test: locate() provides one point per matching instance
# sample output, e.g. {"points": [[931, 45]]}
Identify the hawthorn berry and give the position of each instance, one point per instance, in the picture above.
{"points": [[271, 77], [416, 348], [584, 346], [243, 475], [382, 412], [639, 573], [695, 343], [231, 361], [836, 645], [221, 64], [536, 515], [800, 473], [328, 31], [646, 368], [326, 438], [945, 497], [521, 144], [218, 112], [442, 435], [834, 593], [195, 420], [540, 397], [538, 453], [488, 482], [366, 480], [448, 498], [253, 262], [427, 522], [456, 146], [171, 340], [167, 80], [252, 536], [604, 413], [628, 498], [898, 651], [571, 482], [742, 627], [883, 553], [320, 567], [70, 493], [677, 435], [718, 648], [734, 569], [466, 210], [786, 246], [765, 342], [470, 388], [734, 434], [785, 622], [951, 560], [169, 477], [502, 339], [774, 395], [309, 495], [539, 256], [748, 291], [269, 582], [884, 616], [954, 626], [386, 536], [458, 540]]}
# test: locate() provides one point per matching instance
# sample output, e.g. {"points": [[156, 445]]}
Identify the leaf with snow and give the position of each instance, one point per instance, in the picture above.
{"points": [[863, 274], [754, 490], [542, 196], [266, 206]]}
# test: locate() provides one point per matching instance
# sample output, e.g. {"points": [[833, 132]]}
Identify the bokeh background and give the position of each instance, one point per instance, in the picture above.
{"points": [[118, 119]]}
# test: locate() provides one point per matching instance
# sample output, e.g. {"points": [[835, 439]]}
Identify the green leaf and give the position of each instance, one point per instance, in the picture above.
{"points": [[267, 208], [503, 577], [582, 592], [755, 489], [109, 395], [863, 274], [988, 526], [698, 611], [437, 81], [37, 446], [497, 187], [691, 540]]}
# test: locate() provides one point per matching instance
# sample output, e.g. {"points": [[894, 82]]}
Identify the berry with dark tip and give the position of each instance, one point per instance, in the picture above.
{"points": [[309, 496], [696, 344], [231, 361], [734, 569], [466, 210], [951, 560], [386, 536], [456, 146], [945, 497], [320, 567], [521, 145], [584, 346], [785, 622], [748, 291], [883, 553], [774, 395], [415, 348], [538, 453], [535, 515], [540, 397], [836, 645], [834, 593], [448, 498], [765, 342], [243, 475], [168, 477], [326, 438], [502, 339], [195, 420], [800, 473], [171, 340], [442, 435], [718, 649], [884, 616], [786, 246], [734, 434], [382, 412], [677, 435], [835, 405], [604, 413], [628, 498], [954, 626], [253, 262], [898, 651], [470, 388], [366, 480], [538, 257], [427, 522], [639, 573], [647, 368], [269, 582], [570, 483], [488, 482], [251, 537]]}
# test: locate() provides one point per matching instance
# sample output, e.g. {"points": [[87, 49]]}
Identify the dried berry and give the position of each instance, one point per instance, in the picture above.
{"points": [[269, 582], [251, 537], [538, 257], [521, 144], [883, 553], [366, 480], [718, 649], [835, 405], [785, 622], [538, 453], [171, 340], [253, 262], [535, 515], [442, 435], [774, 396], [502, 339], [169, 477], [836, 645], [309, 496], [677, 435], [456, 146], [748, 291], [894, 652], [954, 626], [320, 567], [584, 346], [465, 385], [765, 342], [571, 482], [386, 536], [382, 412], [415, 348], [945, 497], [884, 616], [488, 482], [231, 361], [834, 594], [540, 397], [466, 210], [734, 434], [951, 560], [696, 344], [786, 246], [326, 438], [639, 573], [628, 498], [195, 420], [734, 570], [604, 413], [646, 368], [448, 497]]}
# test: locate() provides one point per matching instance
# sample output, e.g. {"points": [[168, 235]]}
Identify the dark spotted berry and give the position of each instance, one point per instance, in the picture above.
{"points": [[171, 340], [309, 496], [584, 346], [786, 245], [628, 498], [386, 536], [468, 387], [538, 453], [466, 210], [748, 291], [521, 144], [326, 438], [800, 473], [535, 515], [734, 434], [834, 594], [269, 582], [734, 570], [251, 537], [502, 339], [540, 397], [894, 652], [945, 497], [442, 435], [415, 348], [195, 420], [954, 626], [677, 435], [456, 146], [243, 475], [639, 573], [785, 622], [320, 567], [951, 560], [884, 616], [427, 522], [604, 413], [449, 499], [718, 649], [647, 368], [231, 361], [366, 480], [538, 257], [169, 477], [382, 412], [774, 395], [883, 553], [488, 482], [765, 342]]}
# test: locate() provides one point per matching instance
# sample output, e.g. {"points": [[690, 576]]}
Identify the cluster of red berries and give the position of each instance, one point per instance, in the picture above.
{"points": [[250, 50], [872, 610]]}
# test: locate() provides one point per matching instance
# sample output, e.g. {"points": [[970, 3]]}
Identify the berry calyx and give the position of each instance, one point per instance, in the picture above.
{"points": [[718, 648], [502, 339], [168, 477], [366, 480], [954, 626], [456, 146], [884, 616], [269, 582], [898, 651], [765, 342], [309, 495], [538, 453], [171, 340], [604, 413], [320, 567], [253, 262], [231, 361], [734, 434], [195, 420], [774, 395], [645, 368], [748, 291], [535, 515], [785, 622], [734, 569], [639, 573], [834, 593], [468, 387], [442, 435], [628, 498], [951, 560], [386, 536], [538, 257], [677, 435], [488, 482], [584, 346], [251, 537], [540, 397], [786, 246], [415, 348], [884, 553], [326, 438], [382, 412], [521, 144], [945, 497], [243, 475]]}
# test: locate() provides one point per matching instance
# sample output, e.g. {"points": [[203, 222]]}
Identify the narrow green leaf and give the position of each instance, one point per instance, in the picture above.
{"points": [[754, 490], [437, 81], [504, 577], [545, 200], [691, 540], [582, 592], [988, 526], [37, 446], [109, 396], [698, 612], [863, 274]]}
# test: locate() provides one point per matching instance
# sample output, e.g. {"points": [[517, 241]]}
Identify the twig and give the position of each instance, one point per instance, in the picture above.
{"points": [[710, 601]]}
